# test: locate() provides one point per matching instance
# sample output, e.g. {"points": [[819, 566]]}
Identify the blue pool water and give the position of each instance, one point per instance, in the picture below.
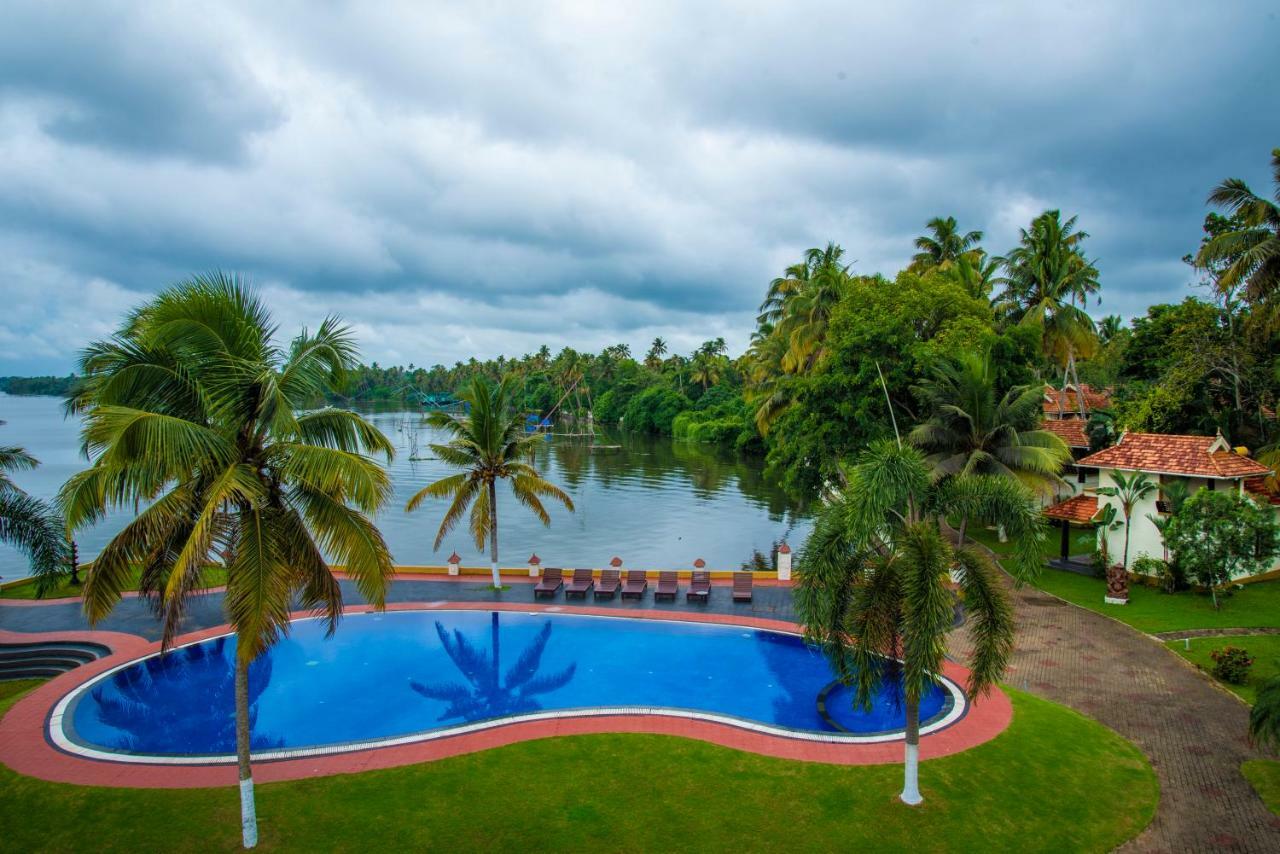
{"points": [[411, 672]]}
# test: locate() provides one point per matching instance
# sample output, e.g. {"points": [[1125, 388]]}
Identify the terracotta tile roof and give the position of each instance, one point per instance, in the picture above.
{"points": [[1093, 399], [1069, 430], [1195, 456], [1080, 509], [1257, 487]]}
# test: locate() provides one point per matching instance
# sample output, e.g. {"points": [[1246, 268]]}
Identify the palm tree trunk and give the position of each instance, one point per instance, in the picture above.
{"points": [[911, 770], [964, 523], [493, 534], [248, 810]]}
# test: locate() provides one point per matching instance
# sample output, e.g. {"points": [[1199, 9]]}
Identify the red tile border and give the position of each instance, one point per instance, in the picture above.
{"points": [[25, 747]]}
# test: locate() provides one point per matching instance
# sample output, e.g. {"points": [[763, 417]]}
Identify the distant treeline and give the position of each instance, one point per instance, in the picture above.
{"points": [[55, 386]]}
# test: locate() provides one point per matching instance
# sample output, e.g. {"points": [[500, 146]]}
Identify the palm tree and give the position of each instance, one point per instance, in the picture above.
{"points": [[973, 431], [1129, 490], [706, 368], [872, 579], [658, 349], [1252, 252], [490, 693], [975, 272], [490, 444], [191, 410], [1109, 327], [1264, 718], [944, 245], [1046, 275], [29, 524], [799, 304]]}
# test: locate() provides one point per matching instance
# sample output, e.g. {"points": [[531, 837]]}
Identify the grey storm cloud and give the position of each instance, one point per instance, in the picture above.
{"points": [[474, 179]]}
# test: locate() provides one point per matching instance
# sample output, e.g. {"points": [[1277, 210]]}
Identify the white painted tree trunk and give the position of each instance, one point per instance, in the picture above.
{"points": [[248, 810], [911, 765]]}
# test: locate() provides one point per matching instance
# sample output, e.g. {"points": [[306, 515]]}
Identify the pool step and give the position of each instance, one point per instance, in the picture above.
{"points": [[42, 660]]}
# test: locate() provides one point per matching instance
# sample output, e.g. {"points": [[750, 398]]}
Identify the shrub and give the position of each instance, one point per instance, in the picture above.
{"points": [[1166, 576], [1231, 664]]}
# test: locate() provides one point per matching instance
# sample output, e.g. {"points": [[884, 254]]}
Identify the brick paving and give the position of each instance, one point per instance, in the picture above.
{"points": [[1193, 732]]}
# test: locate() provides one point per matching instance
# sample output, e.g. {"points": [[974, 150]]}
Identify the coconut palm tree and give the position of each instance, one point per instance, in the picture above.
{"points": [[944, 245], [872, 583], [975, 272], [706, 368], [658, 349], [973, 430], [1129, 490], [1109, 327], [30, 525], [1252, 252], [490, 444], [1046, 275], [799, 304], [1264, 718], [191, 410]]}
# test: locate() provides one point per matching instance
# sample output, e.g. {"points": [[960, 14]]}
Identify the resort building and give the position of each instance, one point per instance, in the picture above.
{"points": [[1077, 479], [1198, 461], [1066, 402]]}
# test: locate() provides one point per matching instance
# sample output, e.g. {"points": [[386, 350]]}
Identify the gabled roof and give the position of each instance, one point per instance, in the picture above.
{"points": [[1160, 453], [1069, 430], [1093, 399], [1080, 509]]}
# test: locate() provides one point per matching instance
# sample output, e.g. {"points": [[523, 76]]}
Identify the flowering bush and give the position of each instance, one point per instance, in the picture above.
{"points": [[1231, 664]]}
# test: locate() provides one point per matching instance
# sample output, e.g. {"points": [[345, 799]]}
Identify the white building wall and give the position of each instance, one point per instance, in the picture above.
{"points": [[1145, 538]]}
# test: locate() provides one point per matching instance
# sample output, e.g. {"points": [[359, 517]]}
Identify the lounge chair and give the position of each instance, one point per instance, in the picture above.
{"points": [[700, 587], [552, 580], [637, 581], [581, 584], [610, 583], [742, 586], [668, 585]]}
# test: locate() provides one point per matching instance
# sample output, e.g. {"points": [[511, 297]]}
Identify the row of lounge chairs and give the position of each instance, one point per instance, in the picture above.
{"points": [[611, 584]]}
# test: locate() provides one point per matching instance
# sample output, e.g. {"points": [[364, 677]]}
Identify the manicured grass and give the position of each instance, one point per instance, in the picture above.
{"points": [[1264, 776], [215, 576], [1149, 610], [1265, 650], [1081, 542], [1053, 781]]}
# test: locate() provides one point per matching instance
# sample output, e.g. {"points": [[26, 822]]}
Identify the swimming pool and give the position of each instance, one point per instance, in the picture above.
{"points": [[406, 676]]}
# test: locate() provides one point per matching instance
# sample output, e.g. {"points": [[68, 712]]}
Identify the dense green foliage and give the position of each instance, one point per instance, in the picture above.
{"points": [[711, 798], [54, 386], [1219, 536]]}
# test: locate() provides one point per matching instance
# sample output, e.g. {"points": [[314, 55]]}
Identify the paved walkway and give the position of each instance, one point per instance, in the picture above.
{"points": [[1193, 733]]}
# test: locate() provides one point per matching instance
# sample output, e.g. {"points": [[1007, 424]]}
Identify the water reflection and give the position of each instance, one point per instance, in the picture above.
{"points": [[162, 705], [486, 695]]}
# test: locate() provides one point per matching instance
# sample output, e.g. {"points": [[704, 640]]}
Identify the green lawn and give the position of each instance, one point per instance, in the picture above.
{"points": [[1082, 541], [1264, 776], [1053, 781], [1149, 610], [1265, 650], [215, 576]]}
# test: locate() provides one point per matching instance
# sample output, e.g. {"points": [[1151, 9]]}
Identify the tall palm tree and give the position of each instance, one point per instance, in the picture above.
{"points": [[1251, 253], [1109, 327], [1046, 275], [29, 524], [192, 410], [872, 579], [975, 272], [944, 245], [799, 304], [658, 349], [490, 444], [706, 368], [973, 430], [1128, 490]]}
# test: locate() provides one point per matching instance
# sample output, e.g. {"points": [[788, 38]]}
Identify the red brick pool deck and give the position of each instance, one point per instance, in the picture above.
{"points": [[25, 745]]}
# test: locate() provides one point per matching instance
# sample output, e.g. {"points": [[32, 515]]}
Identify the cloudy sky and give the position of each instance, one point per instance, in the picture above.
{"points": [[479, 178]]}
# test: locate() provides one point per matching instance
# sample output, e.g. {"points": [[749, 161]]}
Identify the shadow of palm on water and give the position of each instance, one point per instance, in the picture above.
{"points": [[183, 702], [487, 692]]}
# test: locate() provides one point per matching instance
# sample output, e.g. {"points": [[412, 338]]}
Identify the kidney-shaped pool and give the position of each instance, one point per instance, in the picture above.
{"points": [[405, 676]]}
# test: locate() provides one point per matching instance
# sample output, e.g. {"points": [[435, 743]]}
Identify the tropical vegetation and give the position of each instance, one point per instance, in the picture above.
{"points": [[30, 525], [193, 414]]}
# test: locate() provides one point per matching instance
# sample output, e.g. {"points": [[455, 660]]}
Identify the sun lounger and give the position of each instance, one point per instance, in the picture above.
{"points": [[667, 586], [581, 584], [700, 587], [610, 584], [552, 579], [637, 581], [742, 586]]}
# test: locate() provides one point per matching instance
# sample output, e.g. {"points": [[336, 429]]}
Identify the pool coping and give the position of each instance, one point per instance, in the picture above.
{"points": [[27, 747]]}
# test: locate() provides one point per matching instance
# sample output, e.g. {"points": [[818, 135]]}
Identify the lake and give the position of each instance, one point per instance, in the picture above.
{"points": [[655, 502]]}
